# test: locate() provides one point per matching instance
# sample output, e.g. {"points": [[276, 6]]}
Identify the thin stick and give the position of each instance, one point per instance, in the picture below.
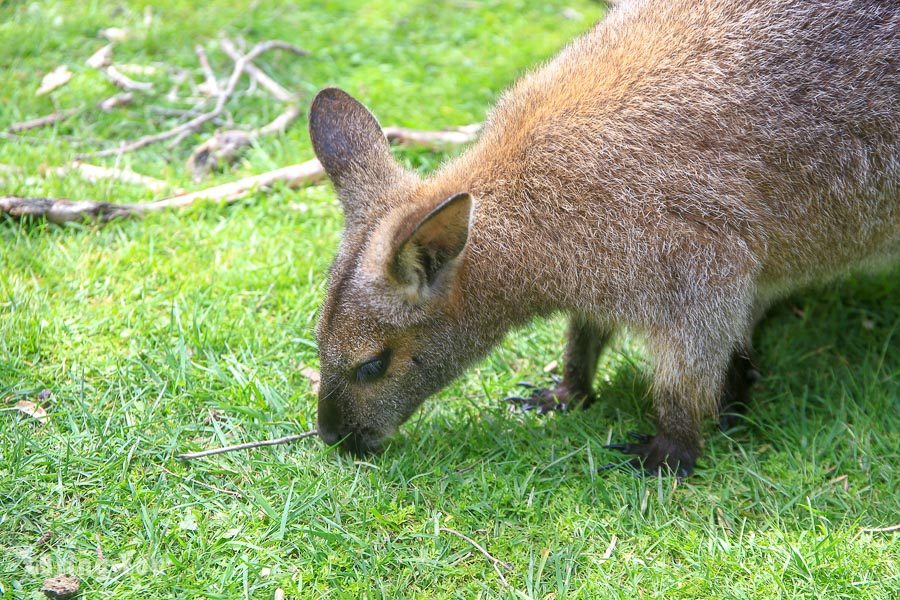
{"points": [[43, 121], [455, 136], [881, 529], [283, 440], [125, 82], [278, 91], [496, 563], [211, 85], [115, 101], [202, 119]]}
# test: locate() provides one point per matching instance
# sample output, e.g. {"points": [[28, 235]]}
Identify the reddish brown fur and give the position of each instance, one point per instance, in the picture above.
{"points": [[672, 172]]}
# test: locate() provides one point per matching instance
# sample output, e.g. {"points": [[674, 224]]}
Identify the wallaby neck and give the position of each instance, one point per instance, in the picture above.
{"points": [[511, 272]]}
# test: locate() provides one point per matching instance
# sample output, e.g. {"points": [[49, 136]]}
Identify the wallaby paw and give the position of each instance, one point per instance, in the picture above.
{"points": [[655, 454], [545, 400]]}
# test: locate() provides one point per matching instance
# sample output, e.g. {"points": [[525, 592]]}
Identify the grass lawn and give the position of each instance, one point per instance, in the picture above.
{"points": [[189, 330]]}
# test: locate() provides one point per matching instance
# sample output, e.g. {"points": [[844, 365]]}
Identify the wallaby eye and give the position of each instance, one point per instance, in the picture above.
{"points": [[374, 368]]}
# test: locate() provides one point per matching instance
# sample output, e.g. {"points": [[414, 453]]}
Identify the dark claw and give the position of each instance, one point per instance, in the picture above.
{"points": [[608, 467], [617, 447], [657, 453], [542, 401], [514, 399]]}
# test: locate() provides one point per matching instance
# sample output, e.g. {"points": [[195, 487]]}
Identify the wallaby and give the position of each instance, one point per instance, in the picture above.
{"points": [[672, 172]]}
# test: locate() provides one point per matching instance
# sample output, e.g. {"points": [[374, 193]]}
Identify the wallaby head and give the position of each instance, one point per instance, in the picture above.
{"points": [[389, 331]]}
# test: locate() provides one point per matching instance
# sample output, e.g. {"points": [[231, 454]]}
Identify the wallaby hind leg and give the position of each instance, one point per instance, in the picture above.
{"points": [[583, 346], [689, 375]]}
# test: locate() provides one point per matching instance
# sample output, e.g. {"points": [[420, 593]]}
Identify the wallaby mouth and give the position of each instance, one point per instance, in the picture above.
{"points": [[359, 444]]}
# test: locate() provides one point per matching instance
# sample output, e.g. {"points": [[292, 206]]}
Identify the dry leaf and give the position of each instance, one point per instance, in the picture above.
{"points": [[279, 594], [551, 366], [114, 34], [54, 79], [101, 58], [314, 378], [265, 572], [189, 522], [61, 587], [33, 410]]}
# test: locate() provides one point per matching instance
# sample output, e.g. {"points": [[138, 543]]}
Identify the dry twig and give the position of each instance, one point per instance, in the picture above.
{"points": [[278, 91], [61, 211], [224, 147], [283, 440], [889, 529], [211, 85], [115, 101], [496, 563], [50, 119], [434, 140], [197, 122], [125, 82]]}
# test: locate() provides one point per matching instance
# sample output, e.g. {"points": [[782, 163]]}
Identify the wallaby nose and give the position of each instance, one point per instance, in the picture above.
{"points": [[329, 437], [329, 422]]}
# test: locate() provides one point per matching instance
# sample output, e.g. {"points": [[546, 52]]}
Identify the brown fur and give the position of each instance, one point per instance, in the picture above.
{"points": [[672, 172]]}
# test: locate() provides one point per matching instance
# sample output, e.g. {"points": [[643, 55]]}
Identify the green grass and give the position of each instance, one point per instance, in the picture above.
{"points": [[140, 329]]}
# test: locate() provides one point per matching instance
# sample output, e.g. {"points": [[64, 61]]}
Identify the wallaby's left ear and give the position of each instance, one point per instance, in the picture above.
{"points": [[349, 143], [426, 251]]}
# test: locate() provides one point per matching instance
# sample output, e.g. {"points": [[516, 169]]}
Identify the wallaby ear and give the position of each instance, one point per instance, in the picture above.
{"points": [[350, 144], [426, 251]]}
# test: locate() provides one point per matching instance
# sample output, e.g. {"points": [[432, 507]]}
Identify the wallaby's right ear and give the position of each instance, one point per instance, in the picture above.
{"points": [[349, 143]]}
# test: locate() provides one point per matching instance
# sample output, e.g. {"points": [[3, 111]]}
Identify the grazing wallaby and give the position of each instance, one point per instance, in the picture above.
{"points": [[672, 172]]}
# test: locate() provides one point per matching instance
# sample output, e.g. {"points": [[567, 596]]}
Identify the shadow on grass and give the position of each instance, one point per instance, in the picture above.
{"points": [[827, 399]]}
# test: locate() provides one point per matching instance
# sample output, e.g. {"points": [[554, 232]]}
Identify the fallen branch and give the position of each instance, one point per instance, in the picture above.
{"points": [[496, 563], [293, 176], [197, 122], [434, 140], [50, 119], [61, 211], [283, 440]]}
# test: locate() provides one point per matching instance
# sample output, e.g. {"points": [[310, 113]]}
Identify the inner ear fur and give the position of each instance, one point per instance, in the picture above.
{"points": [[426, 249]]}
